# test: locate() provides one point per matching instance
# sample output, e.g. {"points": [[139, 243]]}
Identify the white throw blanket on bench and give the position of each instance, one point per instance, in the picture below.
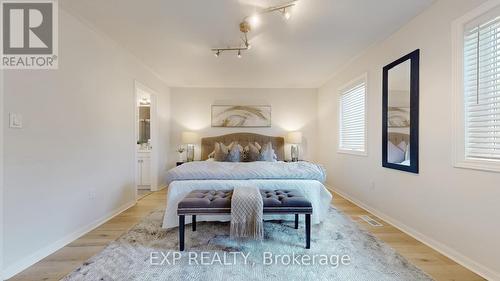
{"points": [[247, 210]]}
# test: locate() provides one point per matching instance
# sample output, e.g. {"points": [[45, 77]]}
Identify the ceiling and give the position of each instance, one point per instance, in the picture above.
{"points": [[174, 37]]}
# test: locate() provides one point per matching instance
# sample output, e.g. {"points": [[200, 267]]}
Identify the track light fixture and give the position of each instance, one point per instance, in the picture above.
{"points": [[251, 22], [254, 20], [286, 14]]}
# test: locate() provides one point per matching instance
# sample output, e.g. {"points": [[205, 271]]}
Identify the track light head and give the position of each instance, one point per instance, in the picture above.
{"points": [[245, 27], [254, 20], [217, 54], [239, 54]]}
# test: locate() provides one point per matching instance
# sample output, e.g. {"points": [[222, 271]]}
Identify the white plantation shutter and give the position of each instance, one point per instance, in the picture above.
{"points": [[352, 118], [482, 90]]}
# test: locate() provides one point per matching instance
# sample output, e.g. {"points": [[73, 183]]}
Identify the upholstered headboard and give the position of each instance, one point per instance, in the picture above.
{"points": [[207, 144], [397, 138]]}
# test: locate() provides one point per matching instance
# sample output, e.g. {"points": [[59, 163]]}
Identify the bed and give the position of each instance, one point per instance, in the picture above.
{"points": [[398, 145], [211, 175]]}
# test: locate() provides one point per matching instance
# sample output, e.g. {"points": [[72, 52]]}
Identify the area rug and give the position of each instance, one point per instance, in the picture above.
{"points": [[340, 250]]}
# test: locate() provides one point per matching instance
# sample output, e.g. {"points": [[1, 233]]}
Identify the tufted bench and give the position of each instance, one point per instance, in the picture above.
{"points": [[218, 202]]}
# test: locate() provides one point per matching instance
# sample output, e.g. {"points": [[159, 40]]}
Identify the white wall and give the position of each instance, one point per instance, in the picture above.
{"points": [[78, 139], [1, 170], [164, 123], [292, 110], [454, 210]]}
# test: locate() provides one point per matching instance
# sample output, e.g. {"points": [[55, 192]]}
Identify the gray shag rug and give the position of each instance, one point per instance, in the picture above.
{"points": [[340, 250]]}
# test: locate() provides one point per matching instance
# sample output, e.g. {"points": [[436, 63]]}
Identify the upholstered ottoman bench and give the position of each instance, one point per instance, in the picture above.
{"points": [[218, 202]]}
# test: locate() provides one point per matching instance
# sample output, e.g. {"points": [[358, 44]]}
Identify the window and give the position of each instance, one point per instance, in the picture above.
{"points": [[352, 117], [477, 92]]}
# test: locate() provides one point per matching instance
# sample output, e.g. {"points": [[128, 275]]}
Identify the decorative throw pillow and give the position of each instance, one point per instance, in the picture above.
{"points": [[394, 153], [407, 153], [234, 154], [231, 145], [267, 153], [402, 145], [220, 152], [259, 147], [253, 153], [211, 155]]}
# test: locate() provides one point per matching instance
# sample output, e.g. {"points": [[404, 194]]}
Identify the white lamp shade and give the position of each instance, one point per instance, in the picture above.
{"points": [[294, 137], [190, 138]]}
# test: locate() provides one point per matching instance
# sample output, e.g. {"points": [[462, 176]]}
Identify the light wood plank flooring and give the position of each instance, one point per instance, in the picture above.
{"points": [[433, 263], [141, 193], [64, 261]]}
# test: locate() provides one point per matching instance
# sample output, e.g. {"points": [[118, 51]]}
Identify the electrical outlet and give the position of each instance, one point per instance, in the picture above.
{"points": [[15, 121], [92, 194]]}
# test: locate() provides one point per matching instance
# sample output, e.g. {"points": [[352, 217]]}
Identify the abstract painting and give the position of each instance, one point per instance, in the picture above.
{"points": [[399, 117], [241, 116]]}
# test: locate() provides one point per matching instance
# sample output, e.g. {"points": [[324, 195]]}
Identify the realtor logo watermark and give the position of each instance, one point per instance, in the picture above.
{"points": [[29, 34], [241, 258]]}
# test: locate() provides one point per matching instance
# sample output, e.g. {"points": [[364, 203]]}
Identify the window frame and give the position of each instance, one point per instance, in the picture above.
{"points": [[342, 91], [459, 159]]}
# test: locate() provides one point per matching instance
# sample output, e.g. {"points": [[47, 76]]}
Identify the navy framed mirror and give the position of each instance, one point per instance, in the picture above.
{"points": [[400, 113]]}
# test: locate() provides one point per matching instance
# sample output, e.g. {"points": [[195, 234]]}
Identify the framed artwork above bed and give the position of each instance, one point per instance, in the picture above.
{"points": [[231, 116]]}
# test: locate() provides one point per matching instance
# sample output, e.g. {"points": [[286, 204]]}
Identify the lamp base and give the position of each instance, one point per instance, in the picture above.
{"points": [[190, 153], [295, 153]]}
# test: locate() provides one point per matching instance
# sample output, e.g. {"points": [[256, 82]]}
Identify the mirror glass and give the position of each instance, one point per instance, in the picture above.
{"points": [[400, 110], [144, 121], [398, 114]]}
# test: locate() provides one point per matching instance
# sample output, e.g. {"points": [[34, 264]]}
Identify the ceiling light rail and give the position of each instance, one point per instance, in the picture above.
{"points": [[246, 27]]}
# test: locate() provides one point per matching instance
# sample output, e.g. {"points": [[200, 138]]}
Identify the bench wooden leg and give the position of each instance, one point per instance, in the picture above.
{"points": [[193, 222], [308, 231], [296, 221], [181, 232]]}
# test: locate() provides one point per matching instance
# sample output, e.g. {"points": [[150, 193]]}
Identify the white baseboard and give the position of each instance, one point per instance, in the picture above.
{"points": [[46, 251], [459, 258]]}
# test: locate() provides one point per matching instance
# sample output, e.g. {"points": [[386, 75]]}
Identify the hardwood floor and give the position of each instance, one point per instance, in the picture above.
{"points": [[433, 263], [67, 259], [64, 261], [141, 193]]}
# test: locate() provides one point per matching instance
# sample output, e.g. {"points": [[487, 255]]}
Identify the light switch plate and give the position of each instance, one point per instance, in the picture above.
{"points": [[15, 121]]}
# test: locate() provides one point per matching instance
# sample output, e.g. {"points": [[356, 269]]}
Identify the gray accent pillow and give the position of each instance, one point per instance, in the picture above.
{"points": [[234, 154], [253, 153], [258, 146], [220, 152], [267, 153]]}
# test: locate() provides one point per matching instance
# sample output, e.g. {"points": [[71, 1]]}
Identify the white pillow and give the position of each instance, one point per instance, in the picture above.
{"points": [[267, 153], [407, 153], [394, 153], [402, 146]]}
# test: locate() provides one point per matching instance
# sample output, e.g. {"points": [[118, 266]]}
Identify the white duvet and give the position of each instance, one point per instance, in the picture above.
{"points": [[313, 190], [259, 170]]}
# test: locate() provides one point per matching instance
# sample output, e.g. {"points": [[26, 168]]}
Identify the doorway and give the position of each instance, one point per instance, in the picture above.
{"points": [[146, 132]]}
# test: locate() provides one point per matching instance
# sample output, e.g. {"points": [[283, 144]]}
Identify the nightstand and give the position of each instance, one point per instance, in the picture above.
{"points": [[183, 162]]}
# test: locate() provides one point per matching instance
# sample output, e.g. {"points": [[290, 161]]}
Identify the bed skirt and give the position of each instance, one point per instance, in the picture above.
{"points": [[313, 190]]}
